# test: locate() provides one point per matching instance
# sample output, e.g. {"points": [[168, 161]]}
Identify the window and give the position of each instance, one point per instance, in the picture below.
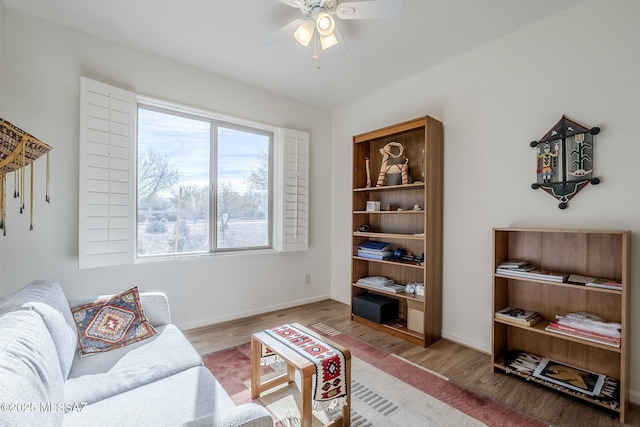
{"points": [[185, 163], [243, 184], [184, 181]]}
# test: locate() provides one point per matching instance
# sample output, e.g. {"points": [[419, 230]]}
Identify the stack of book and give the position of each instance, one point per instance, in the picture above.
{"points": [[595, 282], [580, 326], [605, 283], [375, 250], [515, 265], [381, 283], [527, 271], [519, 316]]}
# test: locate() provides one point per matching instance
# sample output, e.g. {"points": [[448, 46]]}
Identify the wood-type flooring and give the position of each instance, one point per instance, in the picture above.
{"points": [[465, 366]]}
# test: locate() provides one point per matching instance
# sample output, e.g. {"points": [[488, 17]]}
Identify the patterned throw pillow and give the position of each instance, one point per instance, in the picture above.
{"points": [[111, 323]]}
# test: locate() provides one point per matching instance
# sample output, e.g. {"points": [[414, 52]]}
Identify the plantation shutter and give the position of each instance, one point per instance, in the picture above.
{"points": [[107, 173], [295, 192]]}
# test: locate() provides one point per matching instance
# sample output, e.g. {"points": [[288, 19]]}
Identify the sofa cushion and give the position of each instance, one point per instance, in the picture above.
{"points": [[48, 300], [173, 400], [29, 371], [106, 374], [111, 323]]}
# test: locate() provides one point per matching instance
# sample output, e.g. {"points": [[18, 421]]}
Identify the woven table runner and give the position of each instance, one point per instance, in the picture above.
{"points": [[330, 388]]}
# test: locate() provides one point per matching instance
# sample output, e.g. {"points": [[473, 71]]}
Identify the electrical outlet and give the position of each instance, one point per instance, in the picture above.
{"points": [[307, 279]]}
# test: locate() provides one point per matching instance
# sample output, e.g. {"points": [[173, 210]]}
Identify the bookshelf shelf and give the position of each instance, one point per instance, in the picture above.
{"points": [[397, 328], [563, 284], [540, 329], [594, 253], [418, 231], [407, 212], [403, 187], [500, 365], [388, 235], [404, 264], [401, 295]]}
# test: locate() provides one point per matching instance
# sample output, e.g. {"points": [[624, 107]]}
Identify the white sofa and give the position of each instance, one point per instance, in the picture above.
{"points": [[159, 381]]}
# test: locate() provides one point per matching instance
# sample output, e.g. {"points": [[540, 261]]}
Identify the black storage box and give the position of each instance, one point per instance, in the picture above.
{"points": [[376, 308]]}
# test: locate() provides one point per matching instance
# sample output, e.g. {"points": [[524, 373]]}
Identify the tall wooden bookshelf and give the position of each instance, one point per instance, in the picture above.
{"points": [[418, 231], [593, 253]]}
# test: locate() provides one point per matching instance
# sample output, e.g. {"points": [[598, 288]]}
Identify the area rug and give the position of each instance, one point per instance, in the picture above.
{"points": [[386, 390]]}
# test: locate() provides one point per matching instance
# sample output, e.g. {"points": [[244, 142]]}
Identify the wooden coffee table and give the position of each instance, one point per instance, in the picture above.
{"points": [[295, 361]]}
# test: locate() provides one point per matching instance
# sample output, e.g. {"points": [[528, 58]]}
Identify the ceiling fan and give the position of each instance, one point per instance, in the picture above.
{"points": [[319, 22]]}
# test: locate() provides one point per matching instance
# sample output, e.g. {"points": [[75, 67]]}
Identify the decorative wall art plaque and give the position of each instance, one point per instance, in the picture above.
{"points": [[565, 160]]}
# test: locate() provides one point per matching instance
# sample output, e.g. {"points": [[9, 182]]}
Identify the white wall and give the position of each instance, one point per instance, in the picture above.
{"points": [[2, 100], [582, 62], [44, 63], [2, 60]]}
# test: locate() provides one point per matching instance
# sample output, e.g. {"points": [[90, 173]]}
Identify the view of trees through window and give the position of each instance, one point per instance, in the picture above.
{"points": [[203, 185]]}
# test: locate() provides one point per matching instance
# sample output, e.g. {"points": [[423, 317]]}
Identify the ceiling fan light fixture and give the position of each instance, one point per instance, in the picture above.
{"points": [[328, 41], [325, 24], [304, 33]]}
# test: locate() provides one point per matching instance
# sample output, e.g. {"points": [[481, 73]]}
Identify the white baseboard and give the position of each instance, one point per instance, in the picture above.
{"points": [[343, 301], [239, 315], [476, 345]]}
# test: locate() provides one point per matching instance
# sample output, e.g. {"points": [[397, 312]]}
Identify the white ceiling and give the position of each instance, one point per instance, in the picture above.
{"points": [[224, 37]]}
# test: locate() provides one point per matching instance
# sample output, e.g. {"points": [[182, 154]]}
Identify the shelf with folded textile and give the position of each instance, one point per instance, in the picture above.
{"points": [[397, 202], [18, 151], [583, 330]]}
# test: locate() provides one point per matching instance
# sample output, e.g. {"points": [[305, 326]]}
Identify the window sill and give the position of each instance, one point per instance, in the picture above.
{"points": [[197, 256]]}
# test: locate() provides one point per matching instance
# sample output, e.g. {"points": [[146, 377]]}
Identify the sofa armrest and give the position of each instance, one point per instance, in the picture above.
{"points": [[156, 308], [247, 415], [154, 304]]}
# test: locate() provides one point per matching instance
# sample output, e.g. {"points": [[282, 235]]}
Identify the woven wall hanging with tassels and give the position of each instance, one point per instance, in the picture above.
{"points": [[18, 150]]}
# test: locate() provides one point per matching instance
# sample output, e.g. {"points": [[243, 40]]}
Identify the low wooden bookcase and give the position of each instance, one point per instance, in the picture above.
{"points": [[594, 253]]}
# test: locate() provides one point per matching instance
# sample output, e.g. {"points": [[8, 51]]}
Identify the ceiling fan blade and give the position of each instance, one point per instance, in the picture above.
{"points": [[293, 3], [373, 9], [286, 31]]}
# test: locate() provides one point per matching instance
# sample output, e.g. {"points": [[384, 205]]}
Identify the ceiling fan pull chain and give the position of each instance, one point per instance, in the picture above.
{"points": [[316, 49]]}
